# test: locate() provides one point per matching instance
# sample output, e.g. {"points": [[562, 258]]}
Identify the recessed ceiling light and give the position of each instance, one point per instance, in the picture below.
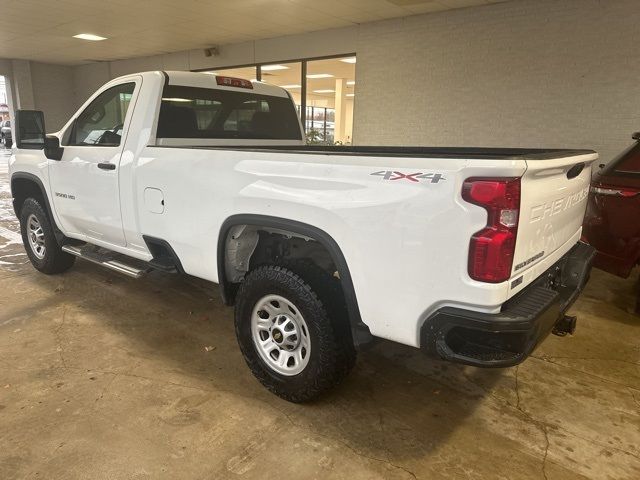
{"points": [[170, 99], [348, 60], [351, 94], [324, 91], [269, 68], [290, 86], [89, 36], [320, 75], [351, 82]]}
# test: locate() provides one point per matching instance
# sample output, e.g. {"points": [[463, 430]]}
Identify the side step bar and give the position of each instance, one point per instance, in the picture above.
{"points": [[107, 263]]}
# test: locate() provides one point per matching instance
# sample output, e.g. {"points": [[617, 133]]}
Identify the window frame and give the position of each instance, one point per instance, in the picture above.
{"points": [[68, 130]]}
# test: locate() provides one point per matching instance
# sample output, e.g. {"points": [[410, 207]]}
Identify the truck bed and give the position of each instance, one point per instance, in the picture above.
{"points": [[397, 151]]}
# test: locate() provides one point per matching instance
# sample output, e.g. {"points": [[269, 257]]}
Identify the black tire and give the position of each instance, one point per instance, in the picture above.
{"points": [[329, 290], [54, 260], [328, 361]]}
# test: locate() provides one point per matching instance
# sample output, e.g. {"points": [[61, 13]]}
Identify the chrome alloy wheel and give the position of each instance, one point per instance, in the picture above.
{"points": [[35, 234], [280, 335]]}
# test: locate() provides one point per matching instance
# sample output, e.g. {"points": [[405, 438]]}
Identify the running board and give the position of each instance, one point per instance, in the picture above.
{"points": [[96, 258]]}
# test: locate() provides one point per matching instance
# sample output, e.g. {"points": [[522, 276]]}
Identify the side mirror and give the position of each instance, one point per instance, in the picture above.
{"points": [[52, 148], [29, 129], [636, 136]]}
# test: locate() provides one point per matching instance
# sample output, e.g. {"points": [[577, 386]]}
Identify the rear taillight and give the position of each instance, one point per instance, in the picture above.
{"points": [[491, 249]]}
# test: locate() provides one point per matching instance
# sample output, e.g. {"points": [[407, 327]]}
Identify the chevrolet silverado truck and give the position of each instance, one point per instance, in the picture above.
{"points": [[471, 254]]}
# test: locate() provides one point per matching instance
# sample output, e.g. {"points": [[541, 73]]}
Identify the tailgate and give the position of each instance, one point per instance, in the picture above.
{"points": [[554, 196]]}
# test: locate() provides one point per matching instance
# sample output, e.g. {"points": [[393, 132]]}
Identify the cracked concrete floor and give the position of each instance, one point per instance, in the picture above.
{"points": [[103, 377]]}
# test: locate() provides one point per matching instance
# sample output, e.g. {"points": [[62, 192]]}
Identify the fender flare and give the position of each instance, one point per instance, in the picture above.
{"points": [[227, 289], [38, 182]]}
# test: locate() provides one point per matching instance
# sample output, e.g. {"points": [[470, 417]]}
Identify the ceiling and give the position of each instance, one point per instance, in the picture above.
{"points": [[43, 30]]}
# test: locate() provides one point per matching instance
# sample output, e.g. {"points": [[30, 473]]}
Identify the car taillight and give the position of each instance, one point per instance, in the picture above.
{"points": [[491, 249], [615, 191]]}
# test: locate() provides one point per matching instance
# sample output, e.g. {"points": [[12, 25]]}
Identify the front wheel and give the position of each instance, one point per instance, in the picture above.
{"points": [[286, 336], [40, 241]]}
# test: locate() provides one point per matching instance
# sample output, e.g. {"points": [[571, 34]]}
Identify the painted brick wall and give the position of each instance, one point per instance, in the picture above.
{"points": [[527, 73]]}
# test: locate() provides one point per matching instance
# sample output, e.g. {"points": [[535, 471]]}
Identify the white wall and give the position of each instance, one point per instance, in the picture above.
{"points": [[532, 73]]}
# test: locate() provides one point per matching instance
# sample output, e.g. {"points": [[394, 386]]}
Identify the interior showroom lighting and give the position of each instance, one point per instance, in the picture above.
{"points": [[324, 91], [320, 75], [89, 36], [270, 68], [351, 82], [290, 86], [348, 60]]}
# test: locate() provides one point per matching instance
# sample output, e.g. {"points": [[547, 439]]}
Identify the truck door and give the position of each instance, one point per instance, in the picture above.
{"points": [[85, 183]]}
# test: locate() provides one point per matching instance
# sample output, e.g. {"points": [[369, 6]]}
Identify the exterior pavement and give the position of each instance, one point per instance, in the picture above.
{"points": [[105, 377]]}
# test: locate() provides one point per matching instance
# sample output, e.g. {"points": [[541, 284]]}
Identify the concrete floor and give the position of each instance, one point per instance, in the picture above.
{"points": [[104, 377]]}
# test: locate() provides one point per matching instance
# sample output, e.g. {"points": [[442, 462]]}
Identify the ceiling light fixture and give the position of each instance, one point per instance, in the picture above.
{"points": [[290, 86], [351, 82], [324, 91], [170, 99], [89, 36], [351, 94], [270, 68], [320, 75], [348, 60]]}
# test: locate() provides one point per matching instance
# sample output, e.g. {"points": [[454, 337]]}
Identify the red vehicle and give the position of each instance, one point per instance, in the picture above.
{"points": [[612, 221]]}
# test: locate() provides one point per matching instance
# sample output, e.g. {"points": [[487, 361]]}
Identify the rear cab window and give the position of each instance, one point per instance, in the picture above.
{"points": [[214, 113]]}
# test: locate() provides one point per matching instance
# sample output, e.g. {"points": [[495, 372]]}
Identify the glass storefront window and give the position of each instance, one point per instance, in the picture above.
{"points": [[248, 73], [330, 92], [285, 75], [330, 96]]}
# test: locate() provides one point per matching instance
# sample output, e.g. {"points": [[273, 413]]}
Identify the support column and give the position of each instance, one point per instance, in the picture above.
{"points": [[340, 110], [22, 85]]}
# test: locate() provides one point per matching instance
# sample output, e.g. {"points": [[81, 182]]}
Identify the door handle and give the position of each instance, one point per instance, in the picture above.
{"points": [[107, 166]]}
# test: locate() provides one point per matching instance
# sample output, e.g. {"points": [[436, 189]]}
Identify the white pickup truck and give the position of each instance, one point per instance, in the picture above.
{"points": [[471, 254]]}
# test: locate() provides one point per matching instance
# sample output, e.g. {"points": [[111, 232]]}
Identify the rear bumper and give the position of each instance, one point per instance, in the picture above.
{"points": [[505, 339]]}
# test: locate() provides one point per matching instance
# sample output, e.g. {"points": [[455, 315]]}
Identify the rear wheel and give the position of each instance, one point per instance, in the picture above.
{"points": [[286, 335], [40, 241]]}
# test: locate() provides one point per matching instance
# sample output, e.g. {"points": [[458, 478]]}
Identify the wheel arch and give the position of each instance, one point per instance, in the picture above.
{"points": [[25, 185], [228, 289]]}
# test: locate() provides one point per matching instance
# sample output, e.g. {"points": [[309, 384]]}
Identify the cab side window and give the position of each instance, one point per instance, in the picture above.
{"points": [[101, 123]]}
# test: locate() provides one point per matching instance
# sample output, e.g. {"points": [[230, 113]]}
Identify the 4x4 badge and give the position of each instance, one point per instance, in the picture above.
{"points": [[412, 177]]}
